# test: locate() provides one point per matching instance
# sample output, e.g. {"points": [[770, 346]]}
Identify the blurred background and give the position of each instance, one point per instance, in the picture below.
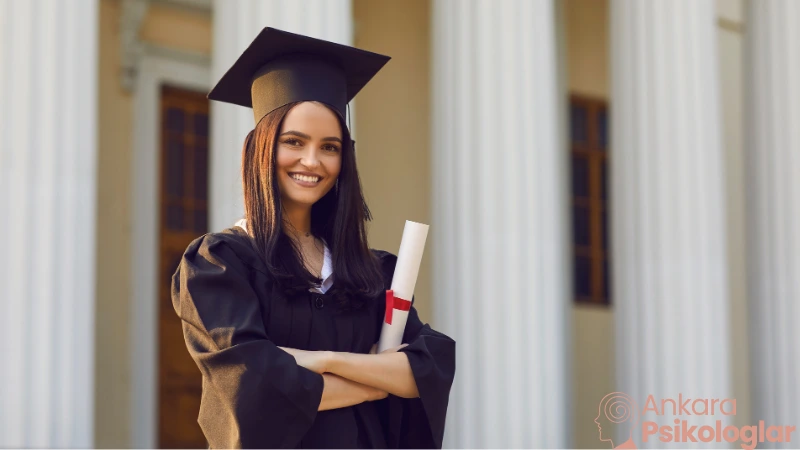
{"points": [[611, 187]]}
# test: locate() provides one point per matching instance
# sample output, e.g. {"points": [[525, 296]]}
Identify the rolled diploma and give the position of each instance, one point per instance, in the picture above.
{"points": [[403, 281]]}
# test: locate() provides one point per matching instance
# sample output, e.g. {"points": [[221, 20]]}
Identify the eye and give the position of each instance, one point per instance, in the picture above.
{"points": [[292, 142], [331, 148]]}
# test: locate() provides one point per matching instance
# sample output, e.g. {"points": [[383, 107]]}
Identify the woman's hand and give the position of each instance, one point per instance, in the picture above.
{"points": [[340, 392], [374, 348], [373, 394], [388, 371], [316, 361], [319, 361]]}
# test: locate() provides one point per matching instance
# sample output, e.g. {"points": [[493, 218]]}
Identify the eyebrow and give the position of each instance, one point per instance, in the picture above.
{"points": [[305, 136]]}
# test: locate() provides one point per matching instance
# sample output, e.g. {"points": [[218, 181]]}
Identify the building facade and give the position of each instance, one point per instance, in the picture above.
{"points": [[610, 187]]}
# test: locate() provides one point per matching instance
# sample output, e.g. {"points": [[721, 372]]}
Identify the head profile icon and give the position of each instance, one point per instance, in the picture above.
{"points": [[617, 411]]}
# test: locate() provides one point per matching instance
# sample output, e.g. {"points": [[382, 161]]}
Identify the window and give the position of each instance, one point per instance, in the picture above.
{"points": [[185, 160], [589, 155]]}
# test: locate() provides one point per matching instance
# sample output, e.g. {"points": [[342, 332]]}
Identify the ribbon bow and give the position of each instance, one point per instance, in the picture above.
{"points": [[393, 303]]}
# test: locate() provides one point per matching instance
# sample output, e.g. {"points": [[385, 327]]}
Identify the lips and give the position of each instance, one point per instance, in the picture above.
{"points": [[305, 177], [306, 181], [312, 178]]}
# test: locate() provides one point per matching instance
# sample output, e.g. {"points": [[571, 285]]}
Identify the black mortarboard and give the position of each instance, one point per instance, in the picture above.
{"points": [[281, 67]]}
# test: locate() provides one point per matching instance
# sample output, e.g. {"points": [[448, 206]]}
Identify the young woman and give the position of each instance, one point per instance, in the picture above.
{"points": [[281, 312]]}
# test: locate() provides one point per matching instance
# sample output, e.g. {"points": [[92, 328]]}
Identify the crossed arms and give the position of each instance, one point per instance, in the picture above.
{"points": [[353, 378]]}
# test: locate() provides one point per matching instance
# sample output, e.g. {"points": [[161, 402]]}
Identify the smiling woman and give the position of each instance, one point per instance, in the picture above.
{"points": [[302, 194], [308, 165], [293, 220], [281, 312]]}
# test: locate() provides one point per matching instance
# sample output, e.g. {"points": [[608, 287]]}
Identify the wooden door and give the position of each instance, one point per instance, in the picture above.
{"points": [[184, 213]]}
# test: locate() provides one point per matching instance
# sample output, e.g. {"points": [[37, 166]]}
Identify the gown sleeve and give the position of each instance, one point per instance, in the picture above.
{"points": [[432, 356], [254, 394]]}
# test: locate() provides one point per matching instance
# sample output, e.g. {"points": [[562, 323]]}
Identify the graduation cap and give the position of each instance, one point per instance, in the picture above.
{"points": [[281, 67]]}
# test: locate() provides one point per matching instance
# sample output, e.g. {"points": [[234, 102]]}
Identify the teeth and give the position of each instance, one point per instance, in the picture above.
{"points": [[305, 178]]}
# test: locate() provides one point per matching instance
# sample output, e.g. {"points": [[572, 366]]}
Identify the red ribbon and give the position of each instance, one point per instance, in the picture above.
{"points": [[393, 303]]}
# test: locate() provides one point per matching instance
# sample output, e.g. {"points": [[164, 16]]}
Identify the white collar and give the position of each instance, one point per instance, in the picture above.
{"points": [[327, 265], [327, 271]]}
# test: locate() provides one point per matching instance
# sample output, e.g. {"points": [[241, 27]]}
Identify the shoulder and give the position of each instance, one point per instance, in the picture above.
{"points": [[381, 253], [233, 239], [386, 261], [384, 256], [232, 246]]}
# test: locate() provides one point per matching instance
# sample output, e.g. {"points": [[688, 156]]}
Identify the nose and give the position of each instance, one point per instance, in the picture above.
{"points": [[310, 158]]}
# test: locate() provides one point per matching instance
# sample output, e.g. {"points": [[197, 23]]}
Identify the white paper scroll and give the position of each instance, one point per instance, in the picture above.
{"points": [[404, 280]]}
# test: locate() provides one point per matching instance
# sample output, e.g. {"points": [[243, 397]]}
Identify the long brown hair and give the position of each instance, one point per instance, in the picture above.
{"points": [[338, 218]]}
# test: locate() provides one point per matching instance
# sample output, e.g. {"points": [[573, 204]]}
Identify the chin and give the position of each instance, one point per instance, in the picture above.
{"points": [[300, 196], [300, 201]]}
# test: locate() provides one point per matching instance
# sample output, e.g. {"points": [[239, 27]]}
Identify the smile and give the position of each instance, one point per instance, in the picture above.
{"points": [[305, 180]]}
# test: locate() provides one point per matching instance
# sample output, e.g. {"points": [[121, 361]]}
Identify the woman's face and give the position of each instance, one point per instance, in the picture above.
{"points": [[309, 155]]}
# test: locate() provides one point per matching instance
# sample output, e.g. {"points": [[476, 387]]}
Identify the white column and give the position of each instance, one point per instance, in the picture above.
{"points": [[48, 152], [773, 187], [499, 234], [670, 288], [236, 24]]}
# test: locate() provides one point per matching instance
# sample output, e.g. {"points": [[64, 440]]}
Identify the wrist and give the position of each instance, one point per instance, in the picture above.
{"points": [[371, 394], [332, 361], [366, 393]]}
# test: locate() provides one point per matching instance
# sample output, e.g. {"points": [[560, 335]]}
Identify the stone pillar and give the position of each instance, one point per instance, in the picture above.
{"points": [[236, 24], [772, 68], [499, 229], [670, 288], [48, 160]]}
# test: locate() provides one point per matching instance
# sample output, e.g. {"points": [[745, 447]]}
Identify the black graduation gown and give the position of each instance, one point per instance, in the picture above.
{"points": [[255, 395]]}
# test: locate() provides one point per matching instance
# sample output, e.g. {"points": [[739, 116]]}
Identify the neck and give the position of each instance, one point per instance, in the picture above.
{"points": [[299, 220]]}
